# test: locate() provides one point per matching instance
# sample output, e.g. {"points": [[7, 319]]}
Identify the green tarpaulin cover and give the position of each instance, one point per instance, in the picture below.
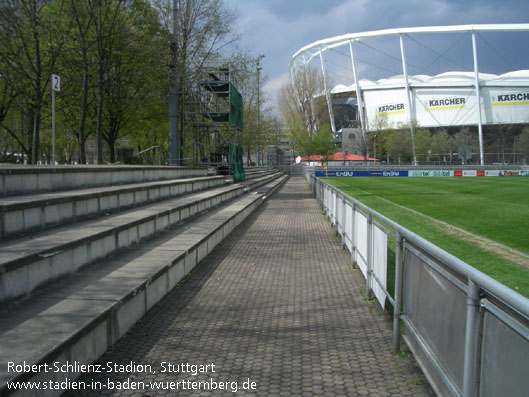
{"points": [[235, 107], [236, 163]]}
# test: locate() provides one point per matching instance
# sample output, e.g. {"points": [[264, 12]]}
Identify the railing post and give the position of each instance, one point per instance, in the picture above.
{"points": [[343, 223], [369, 256], [398, 294], [471, 338], [335, 207], [353, 237]]}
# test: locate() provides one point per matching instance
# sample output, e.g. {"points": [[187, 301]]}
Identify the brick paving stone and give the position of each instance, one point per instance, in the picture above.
{"points": [[277, 303]]}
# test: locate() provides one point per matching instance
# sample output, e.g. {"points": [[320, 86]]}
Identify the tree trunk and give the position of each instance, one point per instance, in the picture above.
{"points": [[249, 159], [82, 122], [38, 93], [100, 115], [112, 149]]}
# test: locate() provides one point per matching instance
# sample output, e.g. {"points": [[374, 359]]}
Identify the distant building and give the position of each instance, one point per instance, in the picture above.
{"points": [[352, 141]]}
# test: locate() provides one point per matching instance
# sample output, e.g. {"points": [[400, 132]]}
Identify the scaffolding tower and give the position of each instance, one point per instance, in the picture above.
{"points": [[212, 116]]}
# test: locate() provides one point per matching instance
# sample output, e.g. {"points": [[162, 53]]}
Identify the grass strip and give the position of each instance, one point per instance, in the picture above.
{"points": [[454, 203]]}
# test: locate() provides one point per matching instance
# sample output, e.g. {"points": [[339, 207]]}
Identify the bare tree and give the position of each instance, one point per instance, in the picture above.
{"points": [[302, 96], [205, 27]]}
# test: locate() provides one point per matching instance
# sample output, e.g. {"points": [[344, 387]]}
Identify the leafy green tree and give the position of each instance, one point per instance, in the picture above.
{"points": [[522, 143], [31, 45], [440, 144], [323, 142], [105, 15], [398, 146], [423, 144], [10, 140], [136, 75], [298, 134], [383, 131], [114, 59], [77, 69]]}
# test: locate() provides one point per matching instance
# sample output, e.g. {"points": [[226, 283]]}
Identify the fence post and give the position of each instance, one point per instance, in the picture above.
{"points": [[323, 198], [335, 208], [336, 211], [398, 294], [471, 337], [369, 255], [353, 236], [344, 245]]}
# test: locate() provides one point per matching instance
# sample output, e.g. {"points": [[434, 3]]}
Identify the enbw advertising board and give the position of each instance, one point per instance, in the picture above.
{"points": [[422, 173], [325, 174]]}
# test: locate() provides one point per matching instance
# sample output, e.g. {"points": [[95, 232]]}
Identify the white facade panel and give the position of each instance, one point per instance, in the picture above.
{"points": [[390, 104], [437, 107], [506, 105]]}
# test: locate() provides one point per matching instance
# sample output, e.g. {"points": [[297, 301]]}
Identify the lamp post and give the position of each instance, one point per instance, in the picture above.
{"points": [[259, 68], [375, 150], [55, 87], [174, 136]]}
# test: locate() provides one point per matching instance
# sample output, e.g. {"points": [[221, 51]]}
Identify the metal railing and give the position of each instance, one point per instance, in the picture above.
{"points": [[152, 156], [468, 332]]}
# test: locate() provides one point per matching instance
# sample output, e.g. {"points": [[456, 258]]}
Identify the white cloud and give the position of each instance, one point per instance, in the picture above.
{"points": [[279, 28], [273, 86]]}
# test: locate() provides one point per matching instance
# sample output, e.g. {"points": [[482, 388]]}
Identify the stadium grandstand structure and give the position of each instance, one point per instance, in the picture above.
{"points": [[397, 98]]}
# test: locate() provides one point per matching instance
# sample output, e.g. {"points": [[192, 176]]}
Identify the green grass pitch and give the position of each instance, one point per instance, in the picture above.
{"points": [[483, 221]]}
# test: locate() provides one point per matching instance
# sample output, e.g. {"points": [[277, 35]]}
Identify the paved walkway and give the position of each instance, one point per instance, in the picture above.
{"points": [[277, 304]]}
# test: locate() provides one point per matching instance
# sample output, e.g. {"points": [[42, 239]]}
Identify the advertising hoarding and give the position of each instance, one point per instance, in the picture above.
{"points": [[387, 106], [444, 107]]}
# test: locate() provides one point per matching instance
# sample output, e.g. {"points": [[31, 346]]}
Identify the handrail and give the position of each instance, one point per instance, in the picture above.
{"points": [[511, 308], [506, 294], [146, 150]]}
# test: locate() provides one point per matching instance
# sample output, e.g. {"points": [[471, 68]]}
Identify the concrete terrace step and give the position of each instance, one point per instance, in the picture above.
{"points": [[15, 180], [78, 319], [22, 214], [30, 262], [258, 171], [258, 179]]}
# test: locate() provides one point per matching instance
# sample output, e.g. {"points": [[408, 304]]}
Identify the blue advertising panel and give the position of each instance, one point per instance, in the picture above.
{"points": [[325, 174]]}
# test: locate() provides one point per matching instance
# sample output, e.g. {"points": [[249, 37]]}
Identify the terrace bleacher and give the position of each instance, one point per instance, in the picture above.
{"points": [[82, 261]]}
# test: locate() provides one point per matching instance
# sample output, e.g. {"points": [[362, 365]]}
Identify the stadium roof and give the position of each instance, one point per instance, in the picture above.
{"points": [[339, 156], [447, 79]]}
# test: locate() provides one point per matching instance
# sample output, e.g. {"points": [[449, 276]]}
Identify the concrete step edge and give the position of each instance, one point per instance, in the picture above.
{"points": [[28, 271], [24, 214], [34, 179]]}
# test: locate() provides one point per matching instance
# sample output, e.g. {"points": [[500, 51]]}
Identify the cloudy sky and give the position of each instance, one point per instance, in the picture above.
{"points": [[278, 28]]}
